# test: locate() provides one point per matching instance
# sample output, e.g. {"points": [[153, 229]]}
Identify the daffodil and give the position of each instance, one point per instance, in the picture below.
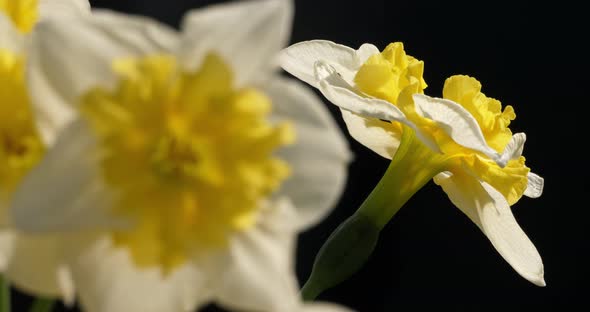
{"points": [[462, 140], [187, 166], [23, 141]]}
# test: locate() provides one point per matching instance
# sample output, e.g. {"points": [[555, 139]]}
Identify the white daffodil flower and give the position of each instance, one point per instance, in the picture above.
{"points": [[461, 140], [22, 146], [187, 166]]}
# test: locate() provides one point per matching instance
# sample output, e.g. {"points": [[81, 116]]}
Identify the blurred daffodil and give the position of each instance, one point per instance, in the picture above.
{"points": [[461, 140], [23, 141], [187, 166]]}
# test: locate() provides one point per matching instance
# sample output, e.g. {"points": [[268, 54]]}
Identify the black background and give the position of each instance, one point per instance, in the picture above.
{"points": [[526, 55]]}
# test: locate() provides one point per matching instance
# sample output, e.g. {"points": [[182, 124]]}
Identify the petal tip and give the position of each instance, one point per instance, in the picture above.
{"points": [[535, 186], [538, 280], [536, 277]]}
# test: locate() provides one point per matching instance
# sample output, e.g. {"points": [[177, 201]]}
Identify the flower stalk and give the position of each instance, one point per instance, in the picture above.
{"points": [[410, 169], [352, 243], [4, 294]]}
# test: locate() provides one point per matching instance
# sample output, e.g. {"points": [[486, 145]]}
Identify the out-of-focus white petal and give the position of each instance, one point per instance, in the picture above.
{"points": [[37, 267], [247, 34], [490, 211], [300, 59], [320, 156], [340, 93], [108, 281], [62, 8], [10, 39], [136, 35], [68, 189], [6, 247], [50, 119], [92, 44], [260, 275], [457, 122], [70, 56], [379, 136], [535, 186]]}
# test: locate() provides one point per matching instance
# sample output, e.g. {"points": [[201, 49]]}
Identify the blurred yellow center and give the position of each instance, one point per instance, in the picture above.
{"points": [[190, 156], [23, 13], [394, 76], [20, 144]]}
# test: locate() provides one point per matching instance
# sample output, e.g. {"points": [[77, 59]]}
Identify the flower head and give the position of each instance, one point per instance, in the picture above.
{"points": [[461, 140], [203, 149], [187, 166], [24, 137]]}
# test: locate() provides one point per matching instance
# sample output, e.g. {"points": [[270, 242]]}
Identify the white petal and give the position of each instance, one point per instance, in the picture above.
{"points": [[63, 8], [37, 267], [320, 156], [535, 185], [70, 56], [457, 122], [300, 59], [246, 34], [513, 149], [6, 247], [261, 276], [10, 39], [342, 94], [134, 34], [50, 118], [377, 135], [488, 209], [108, 281], [324, 307], [365, 51], [65, 191]]}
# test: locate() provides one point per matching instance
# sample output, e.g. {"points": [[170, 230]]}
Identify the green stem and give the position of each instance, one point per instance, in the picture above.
{"points": [[412, 166], [343, 253], [42, 305], [352, 243], [4, 294]]}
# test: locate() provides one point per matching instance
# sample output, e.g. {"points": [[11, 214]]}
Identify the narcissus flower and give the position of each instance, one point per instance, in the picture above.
{"points": [[187, 166], [461, 140], [23, 141]]}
